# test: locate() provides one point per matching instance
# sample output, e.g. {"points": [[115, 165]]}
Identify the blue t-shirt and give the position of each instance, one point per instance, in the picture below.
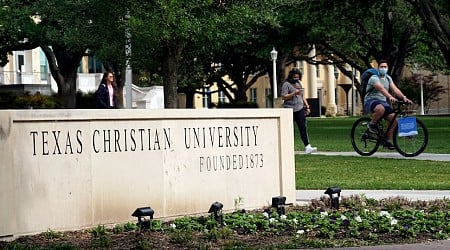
{"points": [[373, 93]]}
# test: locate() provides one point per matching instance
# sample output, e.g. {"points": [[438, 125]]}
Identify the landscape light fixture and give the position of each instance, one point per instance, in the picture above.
{"points": [[216, 209], [279, 202], [334, 193], [141, 213]]}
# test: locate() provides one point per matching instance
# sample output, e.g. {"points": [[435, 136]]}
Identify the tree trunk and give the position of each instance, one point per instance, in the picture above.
{"points": [[170, 71], [63, 66], [190, 95]]}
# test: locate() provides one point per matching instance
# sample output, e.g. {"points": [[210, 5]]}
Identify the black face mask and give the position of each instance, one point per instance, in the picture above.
{"points": [[293, 81]]}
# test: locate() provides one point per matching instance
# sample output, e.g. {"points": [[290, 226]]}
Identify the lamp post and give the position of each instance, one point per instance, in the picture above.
{"points": [[128, 70], [273, 55], [422, 112], [336, 76], [415, 71], [353, 91], [346, 87]]}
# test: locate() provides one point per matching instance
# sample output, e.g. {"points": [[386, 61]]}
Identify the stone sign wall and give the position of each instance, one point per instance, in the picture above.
{"points": [[72, 169]]}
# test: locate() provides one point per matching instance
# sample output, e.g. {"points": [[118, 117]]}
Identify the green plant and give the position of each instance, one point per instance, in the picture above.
{"points": [[100, 237], [219, 233], [98, 231], [356, 223], [188, 223], [61, 246], [129, 226], [157, 225], [181, 237], [50, 234], [238, 202], [28, 101]]}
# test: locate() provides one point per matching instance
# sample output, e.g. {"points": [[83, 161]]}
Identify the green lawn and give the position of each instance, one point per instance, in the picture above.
{"points": [[350, 172], [333, 134]]}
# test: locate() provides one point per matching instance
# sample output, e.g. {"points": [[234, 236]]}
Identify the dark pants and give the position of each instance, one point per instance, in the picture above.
{"points": [[300, 119]]}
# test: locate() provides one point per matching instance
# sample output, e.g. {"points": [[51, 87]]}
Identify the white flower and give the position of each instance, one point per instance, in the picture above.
{"points": [[385, 213], [266, 215], [343, 217], [272, 220], [393, 222], [172, 225], [295, 221], [366, 210], [283, 217], [301, 231], [323, 214], [358, 219]]}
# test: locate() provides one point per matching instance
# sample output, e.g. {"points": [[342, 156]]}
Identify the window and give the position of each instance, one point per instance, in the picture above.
{"points": [[268, 94], [253, 96], [95, 66], [222, 97], [43, 66]]}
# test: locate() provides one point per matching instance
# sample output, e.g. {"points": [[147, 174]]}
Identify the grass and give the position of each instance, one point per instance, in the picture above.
{"points": [[333, 134], [348, 172]]}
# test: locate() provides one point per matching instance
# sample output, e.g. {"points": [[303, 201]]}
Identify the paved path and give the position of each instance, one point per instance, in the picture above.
{"points": [[395, 155], [434, 245], [305, 196]]}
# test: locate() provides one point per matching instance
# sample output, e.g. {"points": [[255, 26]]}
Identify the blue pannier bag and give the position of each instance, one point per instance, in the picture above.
{"points": [[407, 126]]}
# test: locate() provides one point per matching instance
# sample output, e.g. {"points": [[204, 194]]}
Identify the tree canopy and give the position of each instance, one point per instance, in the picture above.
{"points": [[185, 41]]}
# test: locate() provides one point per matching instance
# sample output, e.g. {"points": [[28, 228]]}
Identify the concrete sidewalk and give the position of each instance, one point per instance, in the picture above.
{"points": [[434, 245], [305, 196], [394, 155]]}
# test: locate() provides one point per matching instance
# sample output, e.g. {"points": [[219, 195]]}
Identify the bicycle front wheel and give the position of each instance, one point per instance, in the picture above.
{"points": [[363, 142], [410, 146]]}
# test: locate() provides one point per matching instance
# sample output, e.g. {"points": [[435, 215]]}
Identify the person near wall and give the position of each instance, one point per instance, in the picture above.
{"points": [[292, 93], [106, 93]]}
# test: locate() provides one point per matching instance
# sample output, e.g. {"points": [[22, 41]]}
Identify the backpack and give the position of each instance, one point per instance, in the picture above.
{"points": [[364, 81]]}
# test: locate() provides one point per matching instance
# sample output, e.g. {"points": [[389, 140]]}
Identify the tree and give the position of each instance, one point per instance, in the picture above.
{"points": [[436, 21], [355, 33], [210, 28], [432, 90], [65, 30], [162, 30]]}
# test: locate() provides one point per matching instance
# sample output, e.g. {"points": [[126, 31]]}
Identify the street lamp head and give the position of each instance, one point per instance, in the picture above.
{"points": [[336, 72], [273, 54]]}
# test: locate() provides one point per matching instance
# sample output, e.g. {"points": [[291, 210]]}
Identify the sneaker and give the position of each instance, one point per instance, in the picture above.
{"points": [[309, 149], [373, 128], [389, 145]]}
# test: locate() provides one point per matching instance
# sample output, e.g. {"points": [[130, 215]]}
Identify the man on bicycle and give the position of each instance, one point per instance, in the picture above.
{"points": [[378, 100]]}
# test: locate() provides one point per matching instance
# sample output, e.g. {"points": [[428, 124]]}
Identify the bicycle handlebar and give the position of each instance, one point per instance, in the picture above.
{"points": [[401, 102]]}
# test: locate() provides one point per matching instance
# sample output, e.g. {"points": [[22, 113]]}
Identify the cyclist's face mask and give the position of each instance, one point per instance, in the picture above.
{"points": [[383, 70]]}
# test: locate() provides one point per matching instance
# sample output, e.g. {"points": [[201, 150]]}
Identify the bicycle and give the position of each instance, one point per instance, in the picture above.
{"points": [[367, 143]]}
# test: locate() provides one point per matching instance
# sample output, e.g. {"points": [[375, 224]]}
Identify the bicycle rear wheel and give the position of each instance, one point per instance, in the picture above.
{"points": [[410, 146], [363, 142]]}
